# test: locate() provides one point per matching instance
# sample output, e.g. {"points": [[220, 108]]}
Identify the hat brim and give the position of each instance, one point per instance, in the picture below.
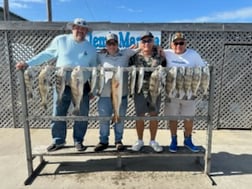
{"points": [[70, 26], [150, 36], [179, 38]]}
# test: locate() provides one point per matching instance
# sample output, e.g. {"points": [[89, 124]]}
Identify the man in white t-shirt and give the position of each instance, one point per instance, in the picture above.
{"points": [[180, 56]]}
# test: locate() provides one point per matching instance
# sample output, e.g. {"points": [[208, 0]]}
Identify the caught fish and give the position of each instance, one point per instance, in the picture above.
{"points": [[44, 84], [93, 80], [205, 80], [188, 82], [61, 76], [132, 81], [140, 79], [29, 81], [116, 93], [155, 85], [170, 82], [101, 81], [180, 81], [77, 87], [196, 78]]}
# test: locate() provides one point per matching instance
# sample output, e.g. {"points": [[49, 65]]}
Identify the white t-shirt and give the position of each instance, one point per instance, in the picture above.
{"points": [[190, 58], [121, 58]]}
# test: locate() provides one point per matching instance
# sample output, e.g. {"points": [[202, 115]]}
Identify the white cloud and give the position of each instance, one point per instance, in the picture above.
{"points": [[28, 1], [18, 5], [238, 15], [64, 1], [129, 9], [22, 4]]}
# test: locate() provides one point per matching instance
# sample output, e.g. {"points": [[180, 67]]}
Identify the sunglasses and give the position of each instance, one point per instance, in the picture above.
{"points": [[147, 41], [111, 44], [179, 43]]}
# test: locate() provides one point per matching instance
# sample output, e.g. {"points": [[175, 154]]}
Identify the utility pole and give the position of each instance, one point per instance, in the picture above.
{"points": [[6, 10], [49, 10]]}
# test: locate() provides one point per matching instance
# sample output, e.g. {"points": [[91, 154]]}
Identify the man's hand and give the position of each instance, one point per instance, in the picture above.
{"points": [[21, 65]]}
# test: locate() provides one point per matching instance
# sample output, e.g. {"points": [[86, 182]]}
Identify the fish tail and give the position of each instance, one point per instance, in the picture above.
{"points": [[44, 105], [115, 119], [30, 95], [193, 97], [76, 111]]}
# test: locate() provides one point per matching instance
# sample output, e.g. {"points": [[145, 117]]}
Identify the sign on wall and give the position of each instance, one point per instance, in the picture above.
{"points": [[126, 38]]}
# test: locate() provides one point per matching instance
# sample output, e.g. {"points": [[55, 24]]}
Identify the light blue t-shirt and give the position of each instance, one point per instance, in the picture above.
{"points": [[68, 52]]}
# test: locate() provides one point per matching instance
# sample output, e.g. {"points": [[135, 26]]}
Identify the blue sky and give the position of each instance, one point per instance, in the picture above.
{"points": [[137, 11]]}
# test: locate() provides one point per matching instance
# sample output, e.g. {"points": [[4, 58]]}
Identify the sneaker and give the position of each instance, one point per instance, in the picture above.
{"points": [[54, 147], [174, 145], [80, 147], [119, 146], [188, 143], [137, 146], [100, 147], [155, 146]]}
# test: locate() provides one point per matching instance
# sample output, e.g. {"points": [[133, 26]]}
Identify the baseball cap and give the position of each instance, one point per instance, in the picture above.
{"points": [[79, 22], [178, 35], [146, 34], [111, 36]]}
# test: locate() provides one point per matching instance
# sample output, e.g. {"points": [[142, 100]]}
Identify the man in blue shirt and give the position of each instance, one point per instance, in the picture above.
{"points": [[71, 50]]}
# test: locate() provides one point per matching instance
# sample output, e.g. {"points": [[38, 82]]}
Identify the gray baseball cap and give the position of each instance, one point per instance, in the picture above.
{"points": [[111, 36]]}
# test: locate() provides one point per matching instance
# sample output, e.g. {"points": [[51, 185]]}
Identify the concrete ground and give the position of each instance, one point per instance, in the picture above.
{"points": [[231, 166]]}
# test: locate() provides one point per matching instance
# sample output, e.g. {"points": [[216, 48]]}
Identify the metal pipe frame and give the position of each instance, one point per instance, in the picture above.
{"points": [[29, 156]]}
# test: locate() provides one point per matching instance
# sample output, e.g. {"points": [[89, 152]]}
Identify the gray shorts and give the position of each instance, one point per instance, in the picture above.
{"points": [[179, 107], [143, 104]]}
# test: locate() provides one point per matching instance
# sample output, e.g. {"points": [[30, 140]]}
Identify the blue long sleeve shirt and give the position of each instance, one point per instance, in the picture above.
{"points": [[68, 52]]}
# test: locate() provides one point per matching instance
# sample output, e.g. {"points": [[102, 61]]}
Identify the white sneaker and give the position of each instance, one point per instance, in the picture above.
{"points": [[155, 146], [138, 145]]}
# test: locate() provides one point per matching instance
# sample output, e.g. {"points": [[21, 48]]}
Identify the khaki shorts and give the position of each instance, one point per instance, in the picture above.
{"points": [[179, 107]]}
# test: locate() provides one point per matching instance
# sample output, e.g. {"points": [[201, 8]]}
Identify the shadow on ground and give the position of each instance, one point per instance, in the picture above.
{"points": [[224, 163], [140, 164]]}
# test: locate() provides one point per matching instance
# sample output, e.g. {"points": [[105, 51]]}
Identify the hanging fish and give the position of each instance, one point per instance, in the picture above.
{"points": [[155, 85], [170, 83], [44, 84], [196, 78], [205, 80], [93, 81], [101, 81], [61, 76], [132, 81], [77, 87], [180, 81], [29, 81], [140, 79], [116, 93], [187, 82]]}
